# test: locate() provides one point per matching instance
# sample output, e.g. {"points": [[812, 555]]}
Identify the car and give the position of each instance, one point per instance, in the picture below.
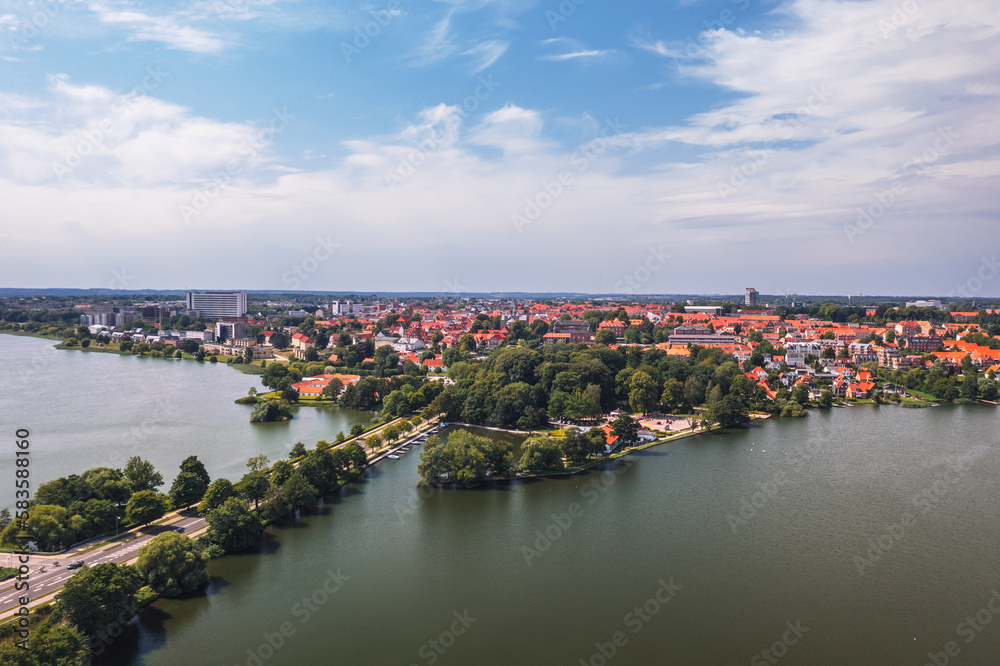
{"points": [[74, 565]]}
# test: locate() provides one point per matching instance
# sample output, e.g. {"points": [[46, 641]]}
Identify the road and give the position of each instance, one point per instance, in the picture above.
{"points": [[42, 584]]}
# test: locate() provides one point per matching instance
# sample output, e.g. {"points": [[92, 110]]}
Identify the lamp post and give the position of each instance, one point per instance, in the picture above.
{"points": [[116, 527]]}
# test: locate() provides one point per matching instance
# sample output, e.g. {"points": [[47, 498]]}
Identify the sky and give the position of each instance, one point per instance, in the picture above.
{"points": [[633, 147]]}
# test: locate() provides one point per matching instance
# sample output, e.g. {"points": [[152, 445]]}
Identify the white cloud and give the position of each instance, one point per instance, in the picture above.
{"points": [[572, 55], [486, 53], [167, 30], [848, 107], [438, 44]]}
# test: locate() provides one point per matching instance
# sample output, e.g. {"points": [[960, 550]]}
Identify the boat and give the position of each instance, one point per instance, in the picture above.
{"points": [[393, 456]]}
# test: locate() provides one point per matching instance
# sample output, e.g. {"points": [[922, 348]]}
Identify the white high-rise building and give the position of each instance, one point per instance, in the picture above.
{"points": [[751, 297], [213, 304]]}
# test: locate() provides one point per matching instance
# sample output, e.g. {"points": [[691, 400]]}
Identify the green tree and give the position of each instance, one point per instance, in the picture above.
{"points": [[194, 466], [730, 411], [673, 394], [575, 447], [280, 472], [142, 475], [297, 451], [99, 596], [172, 564], [356, 455], [299, 493], [374, 442], [970, 384], [826, 399], [146, 506], [188, 488], [253, 486], [48, 526], [267, 411], [320, 470], [233, 527], [216, 495], [626, 429], [258, 463], [694, 391], [333, 388], [605, 337], [540, 455]]}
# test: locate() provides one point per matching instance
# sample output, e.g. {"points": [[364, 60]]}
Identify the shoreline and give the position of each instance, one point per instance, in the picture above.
{"points": [[588, 465], [244, 368]]}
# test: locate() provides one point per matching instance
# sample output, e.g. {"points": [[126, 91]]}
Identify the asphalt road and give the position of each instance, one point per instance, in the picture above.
{"points": [[53, 578]]}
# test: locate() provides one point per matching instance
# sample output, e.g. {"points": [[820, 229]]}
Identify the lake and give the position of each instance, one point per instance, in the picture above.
{"points": [[863, 535], [89, 409]]}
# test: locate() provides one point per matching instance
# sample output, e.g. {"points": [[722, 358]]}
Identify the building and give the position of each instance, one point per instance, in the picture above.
{"points": [[614, 325], [919, 343], [704, 309], [925, 304], [578, 331], [342, 308], [230, 328], [796, 352], [751, 297], [214, 304], [699, 335]]}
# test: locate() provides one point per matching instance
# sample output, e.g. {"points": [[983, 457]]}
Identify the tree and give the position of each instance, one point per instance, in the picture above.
{"points": [[54, 641], [172, 564], [320, 469], [267, 411], [107, 483], [575, 446], [142, 475], [826, 399], [297, 451], [298, 492], [605, 337], [396, 404], [280, 472], [233, 527], [333, 388], [357, 429], [731, 410], [970, 384], [99, 596], [374, 442], [987, 389], [216, 495], [356, 455], [146, 506], [193, 465], [694, 391], [626, 429], [47, 526], [253, 486], [188, 488], [673, 394], [540, 454]]}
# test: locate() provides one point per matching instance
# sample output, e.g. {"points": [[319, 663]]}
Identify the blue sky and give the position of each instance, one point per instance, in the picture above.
{"points": [[810, 146]]}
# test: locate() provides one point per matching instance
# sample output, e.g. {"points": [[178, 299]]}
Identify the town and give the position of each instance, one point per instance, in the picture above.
{"points": [[912, 352]]}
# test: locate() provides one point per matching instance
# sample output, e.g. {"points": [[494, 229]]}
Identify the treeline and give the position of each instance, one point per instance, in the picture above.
{"points": [[523, 388], [944, 383], [98, 601], [468, 460]]}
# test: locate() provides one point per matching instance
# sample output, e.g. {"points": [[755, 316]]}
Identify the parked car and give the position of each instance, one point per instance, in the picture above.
{"points": [[74, 565]]}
